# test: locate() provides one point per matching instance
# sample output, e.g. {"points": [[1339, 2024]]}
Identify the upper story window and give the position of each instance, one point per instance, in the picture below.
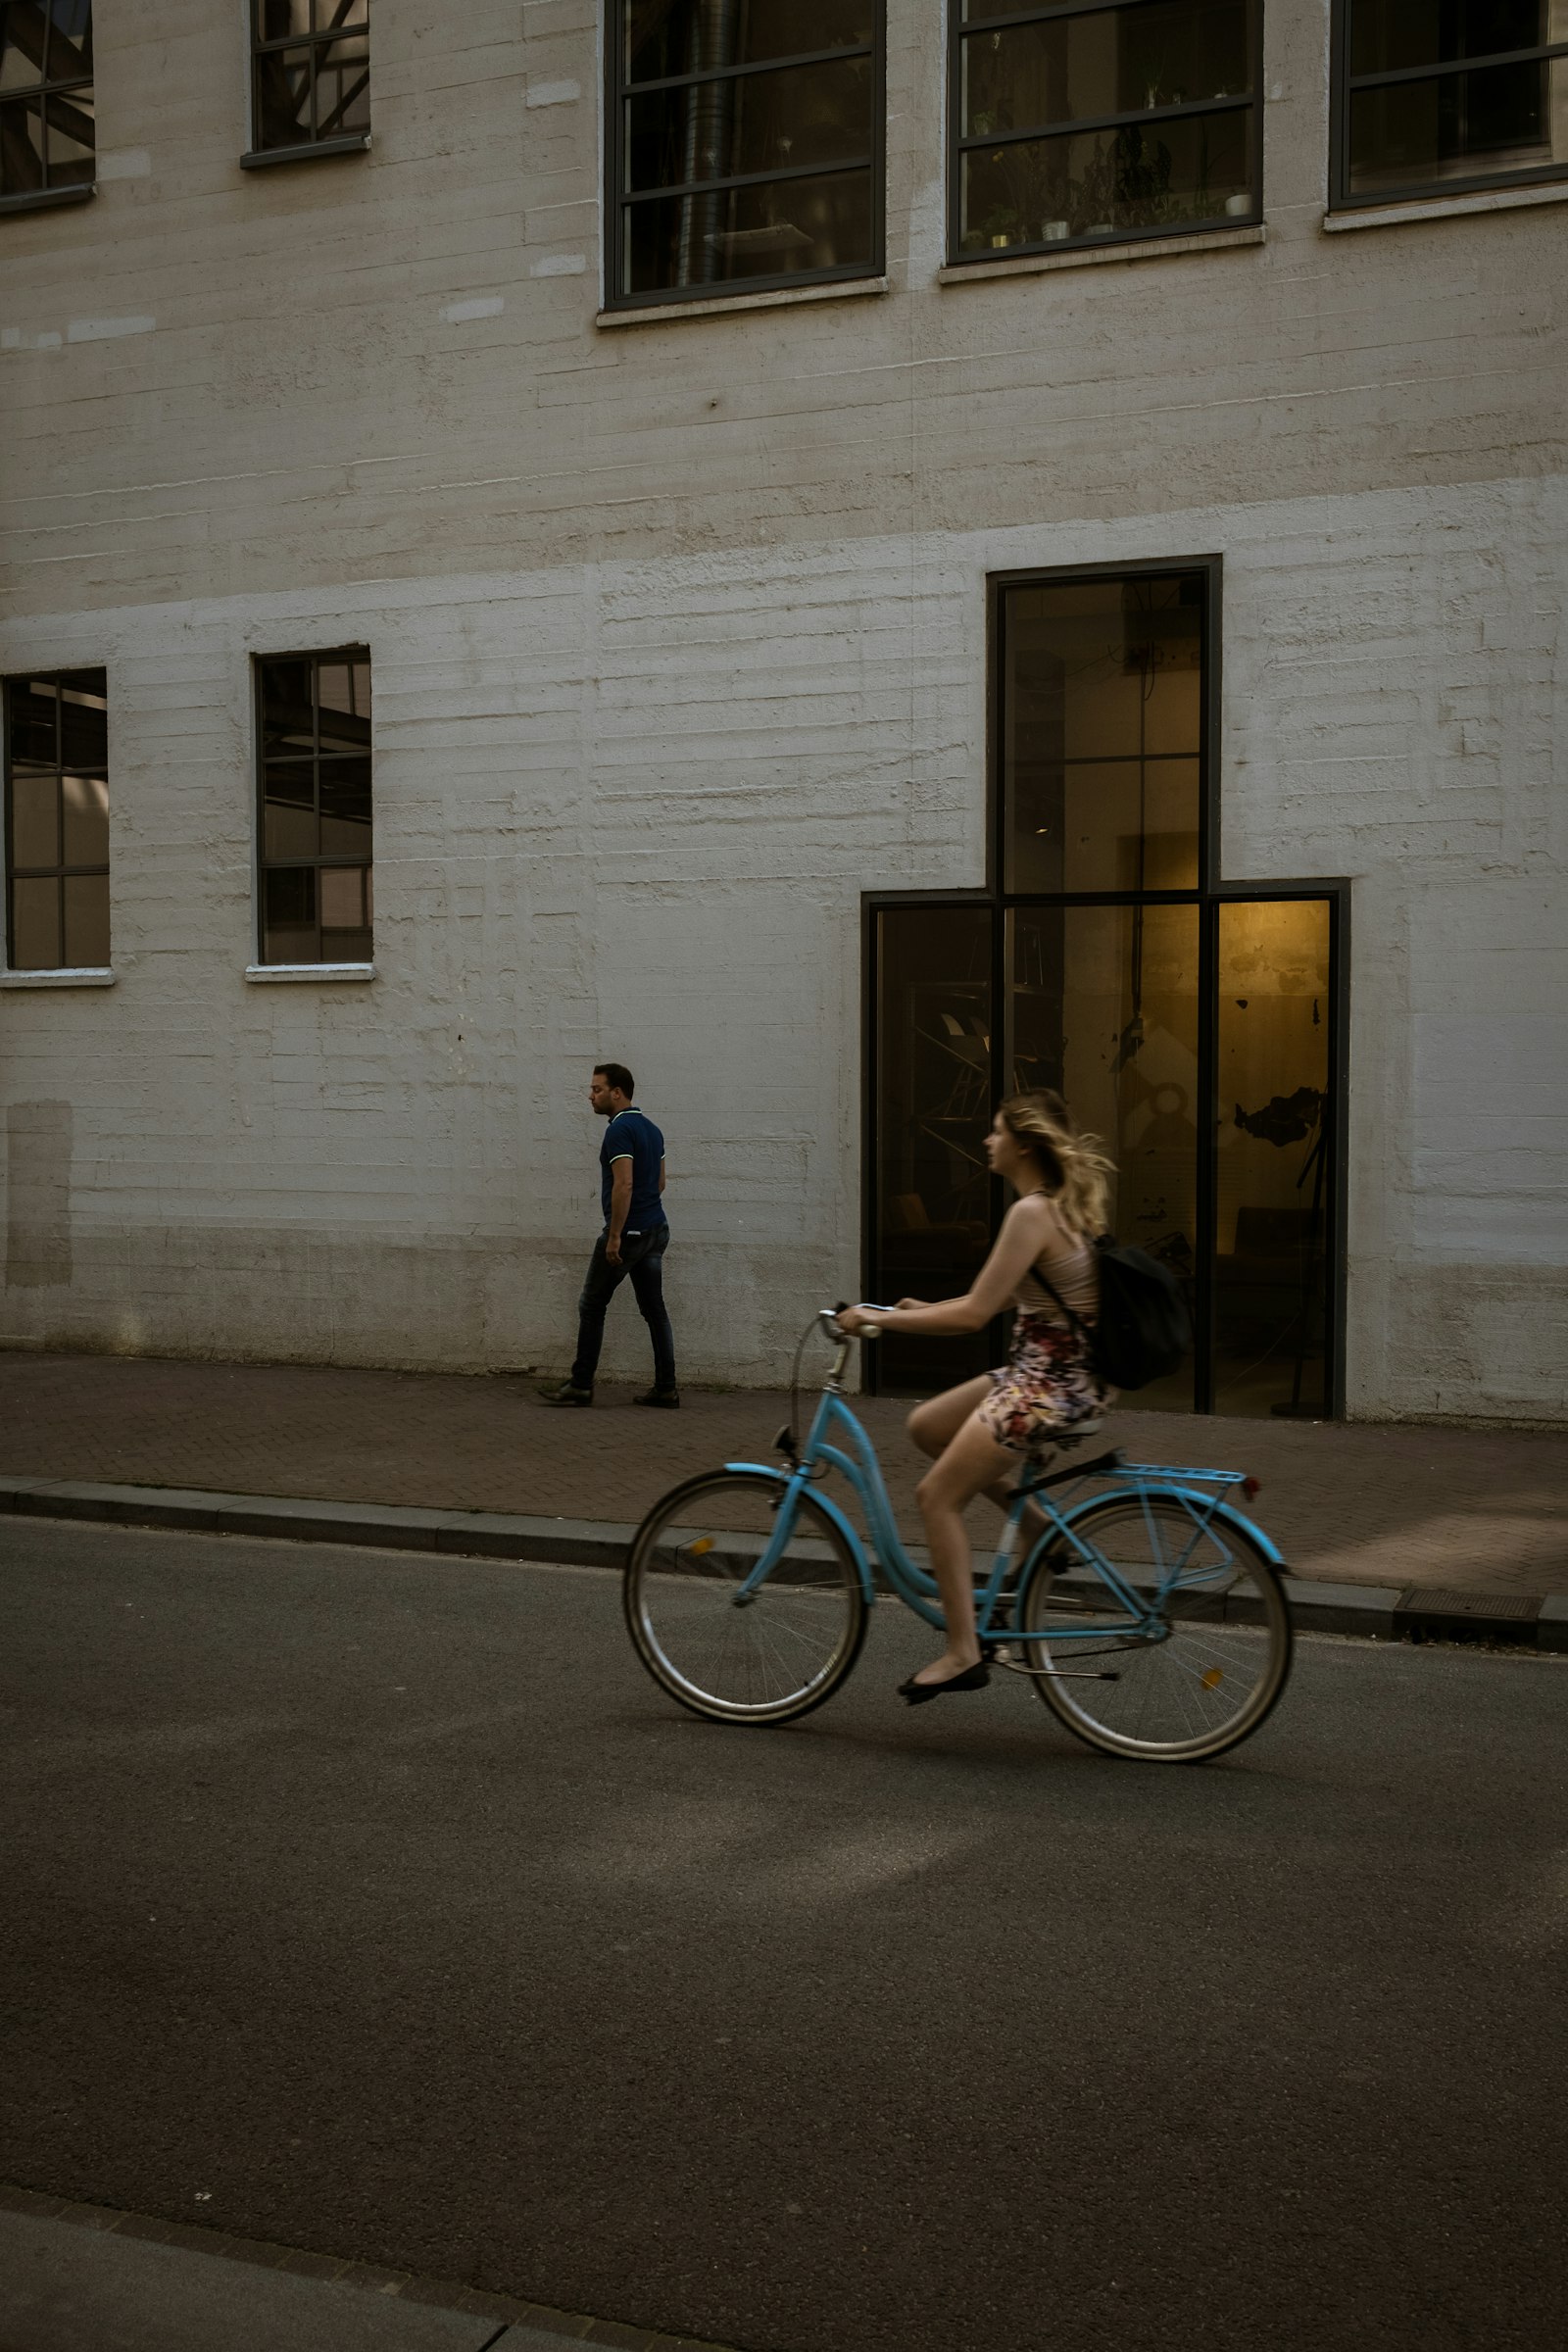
{"points": [[314, 712], [746, 144], [57, 822], [46, 120], [1081, 126], [310, 76], [1434, 95]]}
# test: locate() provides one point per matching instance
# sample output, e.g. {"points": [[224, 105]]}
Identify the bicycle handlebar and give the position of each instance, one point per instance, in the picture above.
{"points": [[828, 1317]]}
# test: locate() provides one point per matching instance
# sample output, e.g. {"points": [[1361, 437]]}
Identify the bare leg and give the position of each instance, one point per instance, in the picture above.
{"points": [[970, 1465], [935, 1423]]}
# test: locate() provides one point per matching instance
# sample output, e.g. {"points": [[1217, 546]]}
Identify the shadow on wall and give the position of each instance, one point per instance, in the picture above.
{"points": [[38, 1137]]}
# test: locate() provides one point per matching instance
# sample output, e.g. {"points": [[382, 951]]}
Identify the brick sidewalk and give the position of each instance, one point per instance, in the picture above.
{"points": [[1477, 1511]]}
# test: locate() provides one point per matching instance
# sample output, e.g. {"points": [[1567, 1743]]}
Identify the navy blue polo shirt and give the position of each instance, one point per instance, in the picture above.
{"points": [[632, 1135]]}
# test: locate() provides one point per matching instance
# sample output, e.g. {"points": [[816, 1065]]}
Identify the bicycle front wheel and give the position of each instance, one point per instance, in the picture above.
{"points": [[1194, 1669], [731, 1653]]}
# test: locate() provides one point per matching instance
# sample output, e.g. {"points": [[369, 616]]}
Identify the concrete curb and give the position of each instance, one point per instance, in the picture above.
{"points": [[1379, 1612]]}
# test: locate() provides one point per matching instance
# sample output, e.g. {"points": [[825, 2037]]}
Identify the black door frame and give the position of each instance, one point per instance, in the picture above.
{"points": [[1212, 893]]}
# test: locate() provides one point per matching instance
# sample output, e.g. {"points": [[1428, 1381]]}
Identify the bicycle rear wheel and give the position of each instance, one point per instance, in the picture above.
{"points": [[1215, 1660], [763, 1656]]}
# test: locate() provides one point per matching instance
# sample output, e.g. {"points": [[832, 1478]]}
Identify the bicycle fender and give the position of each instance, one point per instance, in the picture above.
{"points": [[826, 1504], [1221, 1514]]}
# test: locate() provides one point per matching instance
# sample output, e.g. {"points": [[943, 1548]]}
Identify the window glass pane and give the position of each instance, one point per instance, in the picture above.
{"points": [[34, 709], [284, 97], [34, 817], [1460, 127], [1109, 183], [754, 123], [345, 914], [288, 915], [288, 710], [692, 37], [86, 920], [24, 39], [345, 808], [276, 19], [1104, 1009], [21, 147], [1075, 68], [342, 88], [1102, 717], [70, 39], [84, 720], [288, 809], [71, 139], [1274, 1164], [336, 16], [759, 231], [85, 809], [1388, 35], [35, 927], [343, 691], [932, 1206]]}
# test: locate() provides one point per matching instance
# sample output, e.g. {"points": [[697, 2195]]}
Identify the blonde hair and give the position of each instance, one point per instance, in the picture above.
{"points": [[1075, 1171]]}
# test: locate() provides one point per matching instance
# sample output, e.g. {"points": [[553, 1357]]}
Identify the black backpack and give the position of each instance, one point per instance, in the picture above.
{"points": [[1143, 1330]]}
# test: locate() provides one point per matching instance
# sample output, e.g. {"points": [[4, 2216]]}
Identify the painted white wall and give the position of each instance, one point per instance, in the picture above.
{"points": [[678, 643]]}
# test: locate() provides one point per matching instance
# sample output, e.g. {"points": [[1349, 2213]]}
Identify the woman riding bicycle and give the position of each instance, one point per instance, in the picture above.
{"points": [[1042, 1263]]}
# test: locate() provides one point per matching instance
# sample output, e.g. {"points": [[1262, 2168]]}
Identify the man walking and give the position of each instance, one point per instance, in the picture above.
{"points": [[631, 1162]]}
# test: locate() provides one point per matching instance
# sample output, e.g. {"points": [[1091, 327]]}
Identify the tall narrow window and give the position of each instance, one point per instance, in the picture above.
{"points": [[310, 77], [46, 119], [57, 822], [1434, 95], [316, 808], [1081, 126], [744, 144]]}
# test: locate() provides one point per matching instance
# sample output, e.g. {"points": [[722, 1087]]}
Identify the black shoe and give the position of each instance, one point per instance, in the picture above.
{"points": [[562, 1391], [667, 1399], [973, 1677]]}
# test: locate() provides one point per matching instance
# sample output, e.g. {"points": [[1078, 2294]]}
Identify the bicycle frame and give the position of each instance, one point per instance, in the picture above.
{"points": [[855, 1458]]}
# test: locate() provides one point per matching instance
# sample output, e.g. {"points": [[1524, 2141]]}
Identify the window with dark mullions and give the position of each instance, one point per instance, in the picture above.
{"points": [[310, 77], [1436, 96], [57, 822], [46, 112], [746, 144], [315, 723], [1087, 124]]}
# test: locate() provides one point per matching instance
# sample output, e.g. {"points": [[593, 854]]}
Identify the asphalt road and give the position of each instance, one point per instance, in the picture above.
{"points": [[381, 1907]]}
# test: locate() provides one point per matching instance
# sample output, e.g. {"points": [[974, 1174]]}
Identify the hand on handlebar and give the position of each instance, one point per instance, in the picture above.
{"points": [[855, 1322]]}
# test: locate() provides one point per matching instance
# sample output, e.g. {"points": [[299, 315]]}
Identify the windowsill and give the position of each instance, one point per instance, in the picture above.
{"points": [[712, 305], [1447, 208], [70, 976], [1078, 256], [355, 143], [37, 200], [273, 972]]}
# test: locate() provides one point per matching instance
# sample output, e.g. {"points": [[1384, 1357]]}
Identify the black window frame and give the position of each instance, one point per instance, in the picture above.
{"points": [[1030, 11], [1207, 893], [318, 658], [60, 871], [77, 192], [1344, 86], [616, 92], [353, 142]]}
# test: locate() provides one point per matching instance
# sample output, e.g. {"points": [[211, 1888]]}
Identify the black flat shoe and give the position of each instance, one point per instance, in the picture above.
{"points": [[973, 1677]]}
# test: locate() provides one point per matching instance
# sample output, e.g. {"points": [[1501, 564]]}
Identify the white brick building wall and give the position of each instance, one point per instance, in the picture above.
{"points": [[678, 633]]}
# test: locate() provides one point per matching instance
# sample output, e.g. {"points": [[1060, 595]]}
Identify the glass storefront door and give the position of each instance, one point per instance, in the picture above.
{"points": [[1194, 1030]]}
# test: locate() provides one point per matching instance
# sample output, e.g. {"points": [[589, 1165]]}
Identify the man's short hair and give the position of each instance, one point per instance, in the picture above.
{"points": [[617, 1074]]}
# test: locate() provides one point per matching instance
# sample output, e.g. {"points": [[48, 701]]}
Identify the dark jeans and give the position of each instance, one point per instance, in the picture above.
{"points": [[642, 1256]]}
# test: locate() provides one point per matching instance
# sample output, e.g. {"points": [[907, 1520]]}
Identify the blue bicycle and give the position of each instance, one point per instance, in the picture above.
{"points": [[1150, 1613]]}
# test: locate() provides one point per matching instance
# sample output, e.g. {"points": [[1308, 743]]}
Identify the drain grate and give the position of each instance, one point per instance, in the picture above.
{"points": [[1430, 1613], [1430, 1600]]}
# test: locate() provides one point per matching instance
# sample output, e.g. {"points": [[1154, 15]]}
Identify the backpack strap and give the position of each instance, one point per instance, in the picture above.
{"points": [[1084, 1330]]}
